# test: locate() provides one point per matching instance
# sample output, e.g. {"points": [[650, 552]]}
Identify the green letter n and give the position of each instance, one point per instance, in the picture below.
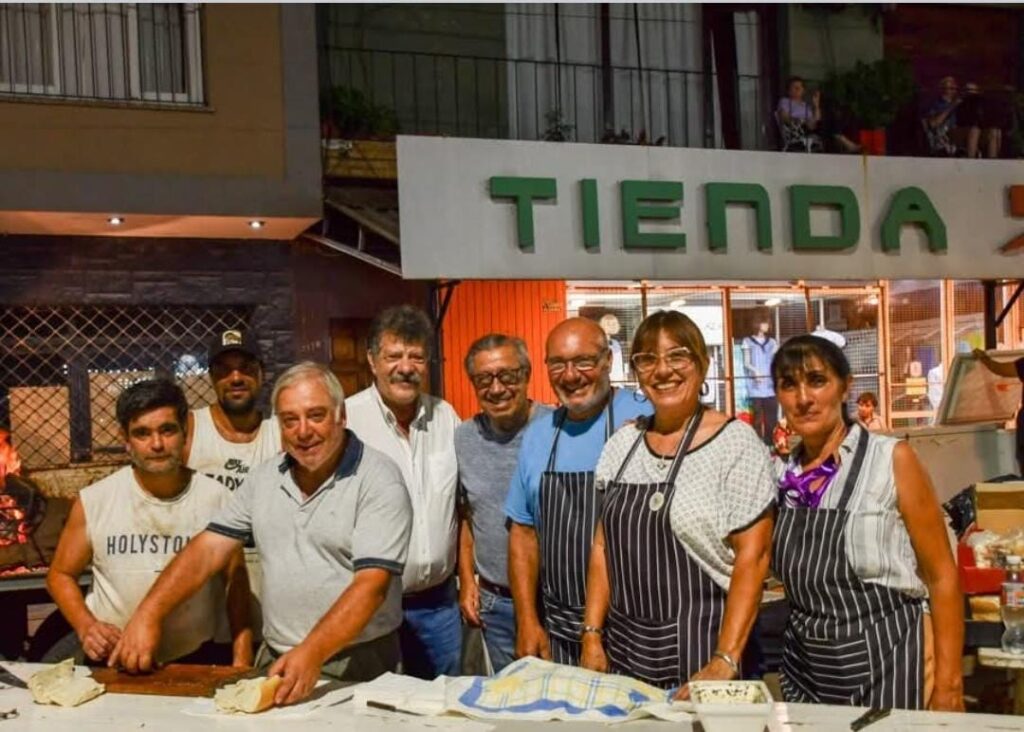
{"points": [[719, 195], [523, 191]]}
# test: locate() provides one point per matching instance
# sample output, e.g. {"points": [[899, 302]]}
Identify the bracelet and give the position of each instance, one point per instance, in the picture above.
{"points": [[729, 660], [591, 629]]}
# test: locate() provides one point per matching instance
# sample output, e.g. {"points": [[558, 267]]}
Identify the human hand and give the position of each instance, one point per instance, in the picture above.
{"points": [[99, 639], [816, 98], [714, 670], [299, 670], [532, 640], [593, 656], [469, 601], [136, 649], [947, 699]]}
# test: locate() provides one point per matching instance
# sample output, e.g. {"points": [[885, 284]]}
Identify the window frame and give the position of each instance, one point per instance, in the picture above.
{"points": [[9, 86]]}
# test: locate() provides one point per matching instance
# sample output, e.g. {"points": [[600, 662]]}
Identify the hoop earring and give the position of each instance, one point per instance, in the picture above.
{"points": [[705, 389]]}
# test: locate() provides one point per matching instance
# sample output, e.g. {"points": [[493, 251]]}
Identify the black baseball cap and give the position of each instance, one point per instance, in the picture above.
{"points": [[241, 341]]}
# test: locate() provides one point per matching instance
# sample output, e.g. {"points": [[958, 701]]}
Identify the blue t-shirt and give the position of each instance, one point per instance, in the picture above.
{"points": [[579, 448]]}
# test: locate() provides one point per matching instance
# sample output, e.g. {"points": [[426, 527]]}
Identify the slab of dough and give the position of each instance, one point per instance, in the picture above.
{"points": [[59, 685], [248, 695]]}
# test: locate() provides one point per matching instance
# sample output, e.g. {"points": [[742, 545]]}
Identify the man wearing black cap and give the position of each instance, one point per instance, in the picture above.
{"points": [[230, 437]]}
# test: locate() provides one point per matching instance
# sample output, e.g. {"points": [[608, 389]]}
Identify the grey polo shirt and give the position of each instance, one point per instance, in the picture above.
{"points": [[310, 548]]}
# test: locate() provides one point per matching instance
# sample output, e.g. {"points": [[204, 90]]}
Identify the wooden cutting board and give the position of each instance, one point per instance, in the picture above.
{"points": [[174, 679]]}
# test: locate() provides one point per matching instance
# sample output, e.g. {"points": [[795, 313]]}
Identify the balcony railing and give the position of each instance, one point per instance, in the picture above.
{"points": [[145, 52], [503, 98]]}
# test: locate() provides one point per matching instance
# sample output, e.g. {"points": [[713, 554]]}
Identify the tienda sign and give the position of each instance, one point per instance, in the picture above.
{"points": [[497, 209], [642, 200]]}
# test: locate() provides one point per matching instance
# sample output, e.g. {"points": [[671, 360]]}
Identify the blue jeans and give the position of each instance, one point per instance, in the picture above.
{"points": [[431, 634], [497, 613]]}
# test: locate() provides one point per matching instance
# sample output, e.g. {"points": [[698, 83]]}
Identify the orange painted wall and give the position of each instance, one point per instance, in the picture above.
{"points": [[528, 309]]}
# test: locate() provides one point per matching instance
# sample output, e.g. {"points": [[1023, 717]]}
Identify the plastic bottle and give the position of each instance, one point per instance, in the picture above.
{"points": [[1012, 607]]}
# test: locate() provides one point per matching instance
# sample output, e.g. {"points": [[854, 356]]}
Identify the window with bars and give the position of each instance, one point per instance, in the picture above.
{"points": [[147, 52], [63, 367]]}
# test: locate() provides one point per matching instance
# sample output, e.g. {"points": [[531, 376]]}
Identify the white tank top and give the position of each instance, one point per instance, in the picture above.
{"points": [[229, 462], [133, 537]]}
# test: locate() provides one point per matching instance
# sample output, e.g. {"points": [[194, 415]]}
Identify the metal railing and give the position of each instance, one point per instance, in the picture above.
{"points": [[63, 367], [132, 52], [506, 98]]}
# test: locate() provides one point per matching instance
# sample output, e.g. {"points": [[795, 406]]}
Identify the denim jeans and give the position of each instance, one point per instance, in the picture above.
{"points": [[497, 614], [431, 634]]}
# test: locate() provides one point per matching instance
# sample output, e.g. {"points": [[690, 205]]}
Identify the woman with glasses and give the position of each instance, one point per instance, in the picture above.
{"points": [[681, 551], [860, 546]]}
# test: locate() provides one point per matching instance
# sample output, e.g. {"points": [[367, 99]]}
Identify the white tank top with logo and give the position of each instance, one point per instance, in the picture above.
{"points": [[134, 535], [229, 462]]}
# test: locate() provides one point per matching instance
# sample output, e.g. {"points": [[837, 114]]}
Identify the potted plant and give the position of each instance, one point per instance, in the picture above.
{"points": [[349, 114], [872, 94]]}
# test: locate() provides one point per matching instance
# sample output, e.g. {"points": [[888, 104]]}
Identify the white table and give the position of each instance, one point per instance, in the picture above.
{"points": [[122, 712]]}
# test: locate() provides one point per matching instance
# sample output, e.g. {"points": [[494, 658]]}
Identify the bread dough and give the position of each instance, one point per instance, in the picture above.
{"points": [[248, 695], [59, 685]]}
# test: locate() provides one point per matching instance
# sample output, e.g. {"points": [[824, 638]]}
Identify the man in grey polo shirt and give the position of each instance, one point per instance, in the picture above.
{"points": [[332, 517], [487, 446]]}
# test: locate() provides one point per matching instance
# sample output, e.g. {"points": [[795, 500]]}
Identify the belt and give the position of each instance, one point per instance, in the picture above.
{"points": [[499, 590], [442, 593]]}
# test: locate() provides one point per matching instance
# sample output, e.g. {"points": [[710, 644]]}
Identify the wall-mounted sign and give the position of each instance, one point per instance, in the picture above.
{"points": [[538, 210]]}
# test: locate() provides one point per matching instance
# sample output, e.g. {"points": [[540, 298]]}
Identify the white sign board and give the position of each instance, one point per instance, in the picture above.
{"points": [[594, 208]]}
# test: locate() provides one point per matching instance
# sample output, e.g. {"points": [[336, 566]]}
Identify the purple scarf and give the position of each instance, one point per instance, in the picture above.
{"points": [[795, 490]]}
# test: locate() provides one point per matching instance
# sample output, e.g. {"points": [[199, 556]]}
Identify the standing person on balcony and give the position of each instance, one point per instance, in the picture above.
{"points": [[131, 524], [553, 503], [487, 445], [230, 437], [417, 431]]}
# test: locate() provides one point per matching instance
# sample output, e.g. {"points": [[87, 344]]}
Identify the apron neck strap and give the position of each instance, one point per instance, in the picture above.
{"points": [[681, 449], [855, 467], [562, 414]]}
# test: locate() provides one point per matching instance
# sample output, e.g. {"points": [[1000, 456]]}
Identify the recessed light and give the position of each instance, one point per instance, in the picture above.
{"points": [[115, 220], [676, 304], [257, 224], [773, 301]]}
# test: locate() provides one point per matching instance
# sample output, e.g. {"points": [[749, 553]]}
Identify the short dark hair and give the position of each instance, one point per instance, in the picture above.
{"points": [[792, 357], [408, 322], [869, 397], [145, 396], [679, 328], [492, 341], [793, 79]]}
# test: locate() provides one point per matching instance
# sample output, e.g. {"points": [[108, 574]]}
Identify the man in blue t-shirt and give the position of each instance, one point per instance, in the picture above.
{"points": [[553, 502]]}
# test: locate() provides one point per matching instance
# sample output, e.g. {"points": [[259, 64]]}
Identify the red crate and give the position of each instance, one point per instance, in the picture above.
{"points": [[976, 580]]}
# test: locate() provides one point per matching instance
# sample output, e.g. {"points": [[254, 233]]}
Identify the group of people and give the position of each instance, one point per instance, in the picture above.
{"points": [[810, 127], [624, 531], [966, 123]]}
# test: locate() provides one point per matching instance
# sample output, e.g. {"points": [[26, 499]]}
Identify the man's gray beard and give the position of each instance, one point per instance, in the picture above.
{"points": [[236, 409]]}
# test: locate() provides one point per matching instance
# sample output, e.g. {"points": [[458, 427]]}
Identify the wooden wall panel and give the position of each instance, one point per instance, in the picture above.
{"points": [[528, 309]]}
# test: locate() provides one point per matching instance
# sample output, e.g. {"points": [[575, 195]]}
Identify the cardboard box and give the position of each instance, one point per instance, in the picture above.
{"points": [[1000, 508]]}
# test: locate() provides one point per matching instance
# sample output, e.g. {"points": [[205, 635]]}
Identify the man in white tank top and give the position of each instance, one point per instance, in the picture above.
{"points": [[131, 524], [230, 437]]}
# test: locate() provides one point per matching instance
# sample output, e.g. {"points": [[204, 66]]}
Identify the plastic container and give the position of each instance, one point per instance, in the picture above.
{"points": [[1012, 607], [731, 706]]}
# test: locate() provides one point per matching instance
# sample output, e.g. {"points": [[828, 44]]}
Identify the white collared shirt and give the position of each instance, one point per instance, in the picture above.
{"points": [[427, 461]]}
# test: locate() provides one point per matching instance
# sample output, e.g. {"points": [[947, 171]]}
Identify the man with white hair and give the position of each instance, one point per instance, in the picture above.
{"points": [[331, 523]]}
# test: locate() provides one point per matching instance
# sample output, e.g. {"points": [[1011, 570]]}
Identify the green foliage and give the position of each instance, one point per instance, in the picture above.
{"points": [[872, 94], [353, 116], [558, 130]]}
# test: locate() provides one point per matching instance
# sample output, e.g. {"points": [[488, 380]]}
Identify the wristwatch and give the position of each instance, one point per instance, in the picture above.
{"points": [[591, 629]]}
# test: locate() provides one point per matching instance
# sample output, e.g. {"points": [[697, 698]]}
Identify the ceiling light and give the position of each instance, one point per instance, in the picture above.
{"points": [[575, 303], [257, 224], [772, 302], [873, 300], [676, 304], [115, 220]]}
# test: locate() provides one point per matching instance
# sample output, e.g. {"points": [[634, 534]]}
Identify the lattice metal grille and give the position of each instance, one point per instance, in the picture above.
{"points": [[62, 368]]}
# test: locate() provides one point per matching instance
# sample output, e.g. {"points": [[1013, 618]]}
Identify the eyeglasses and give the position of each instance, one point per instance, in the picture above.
{"points": [[507, 377], [678, 359], [583, 364]]}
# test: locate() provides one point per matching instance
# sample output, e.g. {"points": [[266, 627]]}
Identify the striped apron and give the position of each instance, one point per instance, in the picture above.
{"points": [[569, 508], [665, 610], [846, 641]]}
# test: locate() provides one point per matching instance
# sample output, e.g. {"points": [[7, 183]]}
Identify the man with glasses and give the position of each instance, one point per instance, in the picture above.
{"points": [[486, 446], [553, 502], [230, 437], [417, 431]]}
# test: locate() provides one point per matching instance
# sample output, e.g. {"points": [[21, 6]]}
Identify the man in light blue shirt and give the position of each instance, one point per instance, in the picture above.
{"points": [[553, 501]]}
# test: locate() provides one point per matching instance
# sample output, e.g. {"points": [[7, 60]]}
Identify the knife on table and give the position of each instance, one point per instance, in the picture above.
{"points": [[6, 677]]}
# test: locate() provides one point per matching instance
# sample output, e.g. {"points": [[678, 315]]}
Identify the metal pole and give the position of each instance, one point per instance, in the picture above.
{"points": [[989, 292]]}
